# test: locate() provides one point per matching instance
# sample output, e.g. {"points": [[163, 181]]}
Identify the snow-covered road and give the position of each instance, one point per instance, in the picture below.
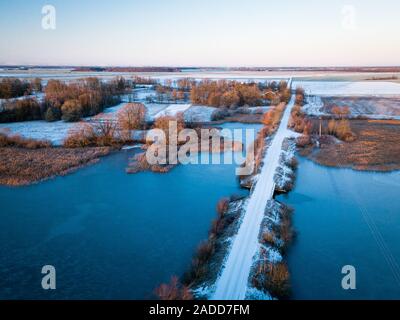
{"points": [[232, 283]]}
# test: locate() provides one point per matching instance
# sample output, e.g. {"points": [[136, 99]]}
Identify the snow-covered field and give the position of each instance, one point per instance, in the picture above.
{"points": [[141, 94], [152, 109], [369, 107], [173, 110], [347, 88], [55, 132], [199, 114], [314, 106]]}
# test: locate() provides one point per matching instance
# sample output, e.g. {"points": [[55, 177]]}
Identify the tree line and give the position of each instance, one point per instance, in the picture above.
{"points": [[221, 93], [14, 88], [233, 94], [67, 101]]}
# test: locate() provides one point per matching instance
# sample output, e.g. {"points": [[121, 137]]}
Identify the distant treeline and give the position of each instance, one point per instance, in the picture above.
{"points": [[67, 101], [127, 69], [14, 88], [341, 69]]}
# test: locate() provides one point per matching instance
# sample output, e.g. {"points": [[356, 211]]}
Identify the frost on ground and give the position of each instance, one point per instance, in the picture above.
{"points": [[142, 94], [314, 106], [39, 96], [111, 111], [152, 109], [254, 294], [173, 110], [347, 88], [199, 114], [55, 132], [274, 237], [369, 107], [190, 113], [285, 174]]}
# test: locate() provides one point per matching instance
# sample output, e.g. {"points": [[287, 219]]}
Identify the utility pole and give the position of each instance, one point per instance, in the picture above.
{"points": [[320, 126]]}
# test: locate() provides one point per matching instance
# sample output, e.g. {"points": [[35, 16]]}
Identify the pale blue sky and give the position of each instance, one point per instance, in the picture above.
{"points": [[201, 33]]}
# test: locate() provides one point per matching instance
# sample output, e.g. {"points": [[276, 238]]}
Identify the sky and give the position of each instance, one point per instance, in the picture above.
{"points": [[202, 33]]}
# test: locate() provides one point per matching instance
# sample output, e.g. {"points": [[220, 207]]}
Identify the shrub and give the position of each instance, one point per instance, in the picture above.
{"points": [[219, 114], [303, 141], [277, 280], [268, 118], [82, 136], [341, 130], [52, 114], [18, 141], [90, 94], [163, 123], [173, 291], [132, 116], [107, 133], [199, 267], [21, 110], [97, 134], [269, 238], [293, 163], [71, 110], [224, 93], [222, 206], [13, 88], [340, 112]]}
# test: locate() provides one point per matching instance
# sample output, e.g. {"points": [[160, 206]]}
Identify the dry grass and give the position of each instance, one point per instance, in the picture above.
{"points": [[23, 166], [18, 141], [272, 278], [222, 206], [269, 238], [139, 163], [97, 134], [376, 148], [240, 117]]}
